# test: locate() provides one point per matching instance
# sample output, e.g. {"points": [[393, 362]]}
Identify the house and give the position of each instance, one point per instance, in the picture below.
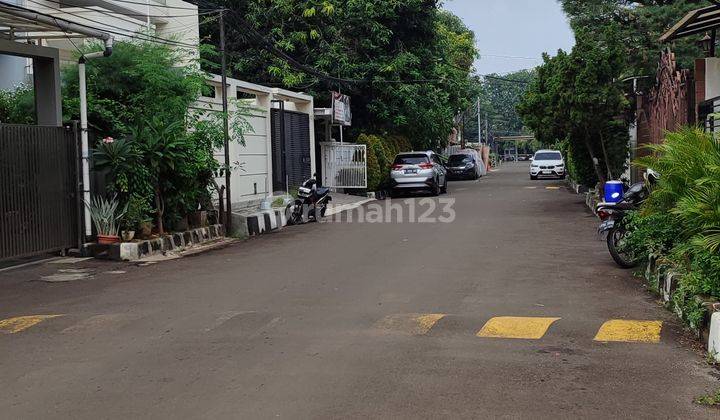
{"points": [[279, 150], [174, 22]]}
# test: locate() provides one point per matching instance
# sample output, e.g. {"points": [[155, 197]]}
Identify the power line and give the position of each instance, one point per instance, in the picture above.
{"points": [[111, 13], [143, 37], [141, 4]]}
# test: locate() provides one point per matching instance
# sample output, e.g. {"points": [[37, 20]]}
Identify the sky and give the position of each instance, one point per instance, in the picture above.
{"points": [[513, 28]]}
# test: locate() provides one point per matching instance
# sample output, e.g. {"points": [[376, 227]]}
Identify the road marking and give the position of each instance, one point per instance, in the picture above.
{"points": [[413, 324], [530, 328], [22, 323], [630, 331], [530, 188], [552, 188]]}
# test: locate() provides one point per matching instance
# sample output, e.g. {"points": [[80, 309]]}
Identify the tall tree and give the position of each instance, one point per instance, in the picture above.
{"points": [[406, 63], [640, 24], [577, 97]]}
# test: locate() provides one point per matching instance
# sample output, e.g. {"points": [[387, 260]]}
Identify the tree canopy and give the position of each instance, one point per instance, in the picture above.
{"points": [[640, 24], [406, 64], [577, 97]]}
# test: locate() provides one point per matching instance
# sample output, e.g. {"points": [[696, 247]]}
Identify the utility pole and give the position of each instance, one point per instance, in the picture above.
{"points": [[480, 139], [487, 130], [226, 133]]}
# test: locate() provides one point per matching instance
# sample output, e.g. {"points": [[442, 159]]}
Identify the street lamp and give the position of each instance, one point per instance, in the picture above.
{"points": [[706, 44]]}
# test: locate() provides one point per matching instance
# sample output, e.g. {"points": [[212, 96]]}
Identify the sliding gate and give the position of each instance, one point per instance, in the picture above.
{"points": [[38, 190]]}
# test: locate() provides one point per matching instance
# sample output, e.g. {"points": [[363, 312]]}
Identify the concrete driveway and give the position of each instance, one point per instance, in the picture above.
{"points": [[512, 310]]}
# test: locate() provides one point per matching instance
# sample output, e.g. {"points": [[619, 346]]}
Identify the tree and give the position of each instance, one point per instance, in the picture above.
{"points": [[17, 106], [164, 152], [640, 25], [577, 97], [406, 64], [499, 97]]}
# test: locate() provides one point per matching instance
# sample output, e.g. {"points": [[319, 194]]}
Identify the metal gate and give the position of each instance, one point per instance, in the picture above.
{"points": [[291, 161], [344, 165], [38, 190]]}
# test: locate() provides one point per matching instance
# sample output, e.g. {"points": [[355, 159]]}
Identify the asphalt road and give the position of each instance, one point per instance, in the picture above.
{"points": [[360, 320]]}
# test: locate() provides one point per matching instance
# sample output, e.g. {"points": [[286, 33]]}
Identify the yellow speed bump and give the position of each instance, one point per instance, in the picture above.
{"points": [[530, 328], [413, 324], [630, 331], [552, 188], [22, 323]]}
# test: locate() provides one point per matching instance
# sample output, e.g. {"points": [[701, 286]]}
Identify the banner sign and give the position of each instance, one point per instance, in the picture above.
{"points": [[341, 109]]}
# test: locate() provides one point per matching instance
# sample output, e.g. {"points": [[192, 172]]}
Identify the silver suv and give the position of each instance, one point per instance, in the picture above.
{"points": [[418, 171]]}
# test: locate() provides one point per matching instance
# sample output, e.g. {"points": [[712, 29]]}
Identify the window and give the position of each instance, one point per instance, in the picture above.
{"points": [[244, 95], [209, 91], [548, 156], [410, 159], [460, 160]]}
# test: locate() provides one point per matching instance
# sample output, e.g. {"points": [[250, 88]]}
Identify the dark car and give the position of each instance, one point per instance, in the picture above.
{"points": [[466, 165]]}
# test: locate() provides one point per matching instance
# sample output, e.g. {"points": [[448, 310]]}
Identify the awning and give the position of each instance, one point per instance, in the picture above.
{"points": [[697, 21], [18, 23]]}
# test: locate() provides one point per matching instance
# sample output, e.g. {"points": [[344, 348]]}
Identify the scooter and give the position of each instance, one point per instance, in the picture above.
{"points": [[613, 225], [310, 205]]}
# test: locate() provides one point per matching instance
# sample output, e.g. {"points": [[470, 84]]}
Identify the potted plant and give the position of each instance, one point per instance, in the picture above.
{"points": [[105, 216], [136, 213]]}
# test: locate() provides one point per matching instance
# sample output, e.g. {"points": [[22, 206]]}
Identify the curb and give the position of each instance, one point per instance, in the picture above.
{"points": [[347, 207]]}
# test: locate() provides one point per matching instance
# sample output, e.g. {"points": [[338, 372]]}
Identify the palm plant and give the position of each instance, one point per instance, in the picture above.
{"points": [[689, 187]]}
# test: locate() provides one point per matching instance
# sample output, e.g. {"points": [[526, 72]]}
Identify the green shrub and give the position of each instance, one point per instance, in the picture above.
{"points": [[137, 211], [17, 106], [381, 151], [654, 233], [374, 175], [681, 218], [689, 187]]}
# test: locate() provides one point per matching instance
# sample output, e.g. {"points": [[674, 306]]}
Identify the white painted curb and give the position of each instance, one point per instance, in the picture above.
{"points": [[345, 207], [714, 336]]}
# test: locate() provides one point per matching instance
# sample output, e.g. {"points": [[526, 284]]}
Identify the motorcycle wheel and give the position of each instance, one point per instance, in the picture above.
{"points": [[615, 235], [293, 212]]}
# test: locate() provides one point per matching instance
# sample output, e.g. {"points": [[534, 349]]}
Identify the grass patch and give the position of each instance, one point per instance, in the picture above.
{"points": [[710, 400]]}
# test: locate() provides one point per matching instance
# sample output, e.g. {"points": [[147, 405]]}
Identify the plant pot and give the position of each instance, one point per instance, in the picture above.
{"points": [[127, 235], [198, 219], [108, 239], [146, 229]]}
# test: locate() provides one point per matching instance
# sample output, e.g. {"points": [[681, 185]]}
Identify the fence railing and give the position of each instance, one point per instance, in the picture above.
{"points": [[707, 111], [344, 165]]}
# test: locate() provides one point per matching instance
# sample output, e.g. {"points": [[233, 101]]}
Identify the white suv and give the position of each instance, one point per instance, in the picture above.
{"points": [[547, 163], [418, 171]]}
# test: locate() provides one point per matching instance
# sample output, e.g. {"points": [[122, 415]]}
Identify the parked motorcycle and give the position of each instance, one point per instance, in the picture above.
{"points": [[310, 205], [612, 215]]}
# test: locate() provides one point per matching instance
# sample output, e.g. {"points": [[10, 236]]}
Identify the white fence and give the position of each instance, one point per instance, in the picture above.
{"points": [[344, 165]]}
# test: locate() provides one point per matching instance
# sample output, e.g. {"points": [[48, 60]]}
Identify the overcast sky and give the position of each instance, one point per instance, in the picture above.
{"points": [[515, 28]]}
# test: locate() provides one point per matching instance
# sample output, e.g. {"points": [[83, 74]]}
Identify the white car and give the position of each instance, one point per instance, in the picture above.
{"points": [[418, 171], [547, 163]]}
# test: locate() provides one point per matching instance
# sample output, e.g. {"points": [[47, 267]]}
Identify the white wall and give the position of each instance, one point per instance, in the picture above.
{"points": [[712, 77], [251, 178]]}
